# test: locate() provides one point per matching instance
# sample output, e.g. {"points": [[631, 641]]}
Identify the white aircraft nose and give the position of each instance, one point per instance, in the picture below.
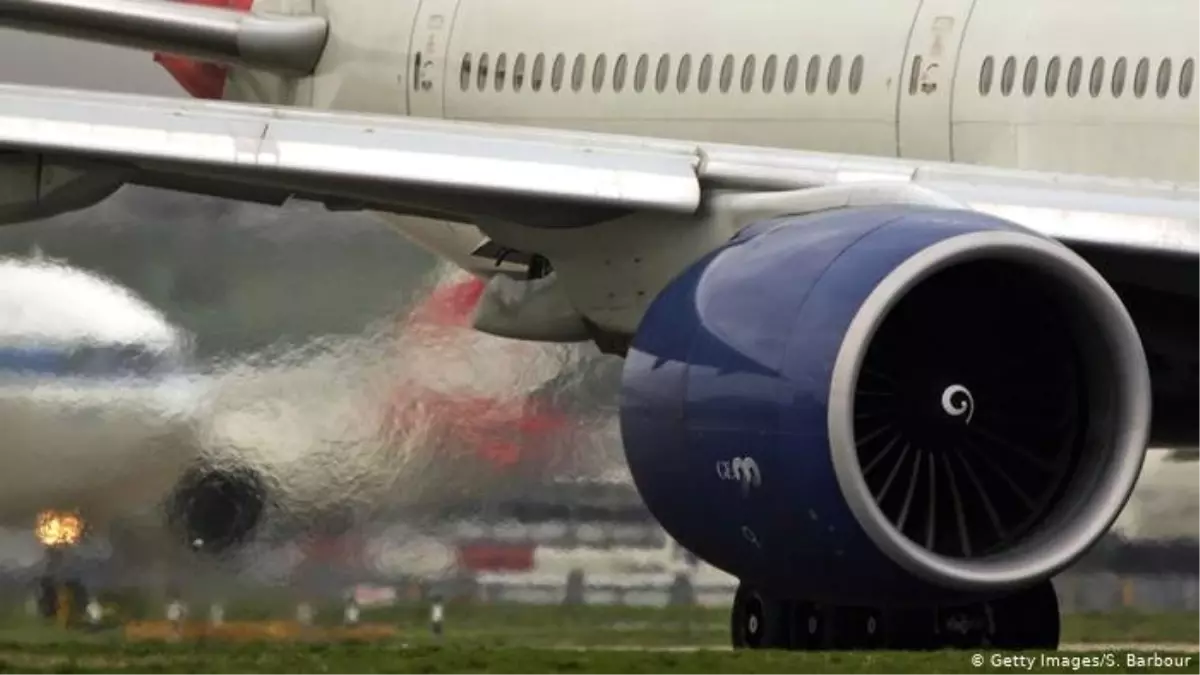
{"points": [[91, 418]]}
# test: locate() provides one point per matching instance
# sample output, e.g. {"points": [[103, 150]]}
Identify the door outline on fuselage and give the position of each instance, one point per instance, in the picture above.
{"points": [[926, 85], [432, 30]]}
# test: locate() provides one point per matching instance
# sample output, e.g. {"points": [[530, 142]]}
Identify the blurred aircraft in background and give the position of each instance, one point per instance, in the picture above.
{"points": [[95, 405], [470, 389], [510, 415], [103, 412], [424, 417]]}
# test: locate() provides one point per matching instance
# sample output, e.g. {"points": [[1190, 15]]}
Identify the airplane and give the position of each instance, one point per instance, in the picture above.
{"points": [[496, 427], [91, 376], [835, 244], [422, 419], [104, 412], [99, 380]]}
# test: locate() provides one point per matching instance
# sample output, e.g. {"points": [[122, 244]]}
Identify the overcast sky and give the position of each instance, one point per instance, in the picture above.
{"points": [[36, 59]]}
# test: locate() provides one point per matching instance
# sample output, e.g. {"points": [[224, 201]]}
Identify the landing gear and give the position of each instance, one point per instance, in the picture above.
{"points": [[758, 621], [809, 625], [856, 628], [1027, 619]]}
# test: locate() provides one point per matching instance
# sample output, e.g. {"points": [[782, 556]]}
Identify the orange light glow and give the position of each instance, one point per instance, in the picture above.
{"points": [[58, 528]]}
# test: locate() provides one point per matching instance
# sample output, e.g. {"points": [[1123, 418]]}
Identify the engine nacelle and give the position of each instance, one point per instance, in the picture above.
{"points": [[32, 188], [217, 508], [887, 405]]}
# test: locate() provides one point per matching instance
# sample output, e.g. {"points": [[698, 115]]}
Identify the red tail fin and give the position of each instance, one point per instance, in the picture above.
{"points": [[451, 304], [200, 79]]}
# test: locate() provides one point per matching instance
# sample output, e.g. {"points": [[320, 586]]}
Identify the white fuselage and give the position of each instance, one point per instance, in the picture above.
{"points": [[904, 78], [106, 449], [1076, 86], [81, 428]]}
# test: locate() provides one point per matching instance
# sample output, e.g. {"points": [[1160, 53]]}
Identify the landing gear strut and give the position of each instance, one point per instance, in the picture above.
{"points": [[1027, 619]]}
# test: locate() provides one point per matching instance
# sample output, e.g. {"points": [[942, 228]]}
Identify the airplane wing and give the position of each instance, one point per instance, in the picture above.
{"points": [[532, 177]]}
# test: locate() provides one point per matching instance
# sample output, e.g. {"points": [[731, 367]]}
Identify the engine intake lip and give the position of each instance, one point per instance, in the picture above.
{"points": [[1120, 427]]}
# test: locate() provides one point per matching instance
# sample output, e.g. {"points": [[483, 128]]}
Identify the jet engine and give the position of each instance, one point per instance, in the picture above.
{"points": [[216, 508], [887, 406]]}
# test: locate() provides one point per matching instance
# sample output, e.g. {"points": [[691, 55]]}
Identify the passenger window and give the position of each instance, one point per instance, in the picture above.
{"points": [[481, 75], [726, 73], [501, 71], [1008, 75], [748, 67], [704, 77], [790, 73], [769, 67], [1164, 78], [835, 74], [914, 76], [1141, 77], [464, 73], [518, 78], [684, 74], [557, 71], [1096, 83], [599, 69], [663, 73], [539, 72], [986, 73], [577, 72], [619, 70], [1074, 76], [856, 74], [640, 72], [1053, 70], [1118, 76], [1186, 74], [813, 75], [1029, 83]]}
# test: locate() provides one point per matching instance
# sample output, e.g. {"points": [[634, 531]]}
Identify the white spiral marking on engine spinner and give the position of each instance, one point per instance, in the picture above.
{"points": [[957, 400]]}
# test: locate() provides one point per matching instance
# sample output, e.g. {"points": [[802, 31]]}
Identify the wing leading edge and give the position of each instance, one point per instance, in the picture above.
{"points": [[533, 177]]}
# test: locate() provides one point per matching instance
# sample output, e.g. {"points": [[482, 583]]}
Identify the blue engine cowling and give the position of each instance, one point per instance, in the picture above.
{"points": [[886, 405]]}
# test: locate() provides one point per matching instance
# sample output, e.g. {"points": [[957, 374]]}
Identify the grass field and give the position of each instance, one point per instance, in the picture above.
{"points": [[465, 658], [531, 626], [519, 638]]}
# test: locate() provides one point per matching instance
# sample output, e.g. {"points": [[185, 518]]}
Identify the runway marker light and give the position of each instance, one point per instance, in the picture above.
{"points": [[176, 613], [95, 612], [437, 616], [216, 614], [305, 614]]}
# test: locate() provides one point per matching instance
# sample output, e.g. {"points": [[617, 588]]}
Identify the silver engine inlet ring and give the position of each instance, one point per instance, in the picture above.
{"points": [[1116, 400]]}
